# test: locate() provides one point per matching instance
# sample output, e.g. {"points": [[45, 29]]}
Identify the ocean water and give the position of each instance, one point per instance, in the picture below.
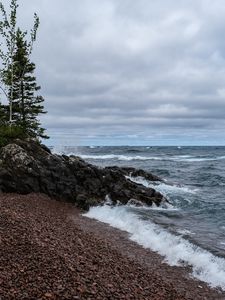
{"points": [[191, 230]]}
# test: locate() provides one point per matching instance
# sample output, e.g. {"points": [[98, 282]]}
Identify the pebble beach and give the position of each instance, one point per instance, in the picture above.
{"points": [[48, 250]]}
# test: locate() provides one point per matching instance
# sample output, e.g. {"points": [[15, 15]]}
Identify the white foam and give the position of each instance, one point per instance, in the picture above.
{"points": [[191, 158], [118, 157], [58, 150], [221, 157], [185, 232], [134, 157], [164, 206], [179, 158], [199, 159], [162, 187], [175, 249]]}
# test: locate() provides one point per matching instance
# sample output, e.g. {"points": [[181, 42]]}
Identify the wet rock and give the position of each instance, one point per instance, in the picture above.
{"points": [[132, 172], [27, 166]]}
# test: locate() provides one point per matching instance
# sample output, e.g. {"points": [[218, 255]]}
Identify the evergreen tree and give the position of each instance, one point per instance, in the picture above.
{"points": [[7, 31], [19, 118], [2, 115], [27, 105]]}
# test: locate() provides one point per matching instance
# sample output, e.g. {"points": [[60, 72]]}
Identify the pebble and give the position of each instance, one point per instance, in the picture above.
{"points": [[46, 254]]}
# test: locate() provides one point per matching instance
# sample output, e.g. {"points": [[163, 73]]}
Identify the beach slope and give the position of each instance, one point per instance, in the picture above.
{"points": [[48, 250]]}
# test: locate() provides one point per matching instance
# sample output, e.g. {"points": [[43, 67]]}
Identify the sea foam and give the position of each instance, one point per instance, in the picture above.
{"points": [[175, 249], [176, 158], [163, 187], [118, 157]]}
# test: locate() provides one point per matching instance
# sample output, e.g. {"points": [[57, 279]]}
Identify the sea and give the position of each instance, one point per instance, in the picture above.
{"points": [[190, 230]]}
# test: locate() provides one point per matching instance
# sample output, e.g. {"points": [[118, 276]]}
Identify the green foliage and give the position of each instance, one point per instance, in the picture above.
{"points": [[27, 105], [9, 133], [3, 114], [7, 31], [17, 80]]}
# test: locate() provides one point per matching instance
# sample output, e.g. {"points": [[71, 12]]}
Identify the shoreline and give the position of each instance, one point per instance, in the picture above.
{"points": [[50, 251]]}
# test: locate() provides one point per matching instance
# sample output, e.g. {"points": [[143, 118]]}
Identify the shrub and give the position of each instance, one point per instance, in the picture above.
{"points": [[9, 133]]}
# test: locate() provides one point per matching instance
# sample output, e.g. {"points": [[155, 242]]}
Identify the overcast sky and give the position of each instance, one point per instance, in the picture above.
{"points": [[137, 72]]}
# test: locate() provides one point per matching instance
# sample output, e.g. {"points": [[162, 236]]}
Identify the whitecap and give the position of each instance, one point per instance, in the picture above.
{"points": [[118, 157], [165, 206], [200, 159], [163, 187], [175, 249], [58, 150], [185, 232]]}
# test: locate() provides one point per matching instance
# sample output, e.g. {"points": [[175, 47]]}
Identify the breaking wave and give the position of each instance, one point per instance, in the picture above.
{"points": [[181, 158], [118, 157], [176, 250], [163, 187]]}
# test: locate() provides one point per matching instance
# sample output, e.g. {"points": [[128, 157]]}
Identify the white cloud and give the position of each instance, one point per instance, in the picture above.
{"points": [[116, 67]]}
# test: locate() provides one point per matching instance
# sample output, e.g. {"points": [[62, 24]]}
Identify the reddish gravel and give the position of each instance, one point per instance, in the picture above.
{"points": [[49, 251]]}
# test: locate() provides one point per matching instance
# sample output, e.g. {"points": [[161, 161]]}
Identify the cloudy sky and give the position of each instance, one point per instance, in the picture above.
{"points": [[131, 72]]}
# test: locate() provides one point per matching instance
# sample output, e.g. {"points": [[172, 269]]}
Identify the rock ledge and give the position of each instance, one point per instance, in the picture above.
{"points": [[27, 167]]}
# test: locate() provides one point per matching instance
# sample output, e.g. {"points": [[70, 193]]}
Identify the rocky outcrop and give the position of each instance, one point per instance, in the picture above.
{"points": [[26, 166], [132, 172]]}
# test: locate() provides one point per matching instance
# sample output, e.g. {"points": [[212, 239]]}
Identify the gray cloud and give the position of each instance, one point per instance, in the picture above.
{"points": [[149, 71]]}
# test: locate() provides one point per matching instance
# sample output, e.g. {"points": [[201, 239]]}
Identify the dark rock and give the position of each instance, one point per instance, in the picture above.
{"points": [[27, 166], [132, 172]]}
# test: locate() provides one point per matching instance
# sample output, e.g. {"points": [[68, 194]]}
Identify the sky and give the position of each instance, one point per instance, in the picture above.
{"points": [[129, 72]]}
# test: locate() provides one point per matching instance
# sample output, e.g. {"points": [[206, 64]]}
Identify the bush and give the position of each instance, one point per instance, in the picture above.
{"points": [[9, 133]]}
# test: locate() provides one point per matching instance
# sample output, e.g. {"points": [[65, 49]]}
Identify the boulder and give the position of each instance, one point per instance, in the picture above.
{"points": [[132, 172], [27, 166]]}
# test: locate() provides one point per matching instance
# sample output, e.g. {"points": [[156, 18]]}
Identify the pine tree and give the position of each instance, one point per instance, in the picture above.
{"points": [[2, 115], [7, 31], [3, 124], [19, 117], [27, 105]]}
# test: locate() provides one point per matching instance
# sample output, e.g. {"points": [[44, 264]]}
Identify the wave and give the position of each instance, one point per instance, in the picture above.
{"points": [[162, 187], [118, 157], [175, 249], [178, 158], [185, 232], [163, 207], [67, 150], [199, 159]]}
